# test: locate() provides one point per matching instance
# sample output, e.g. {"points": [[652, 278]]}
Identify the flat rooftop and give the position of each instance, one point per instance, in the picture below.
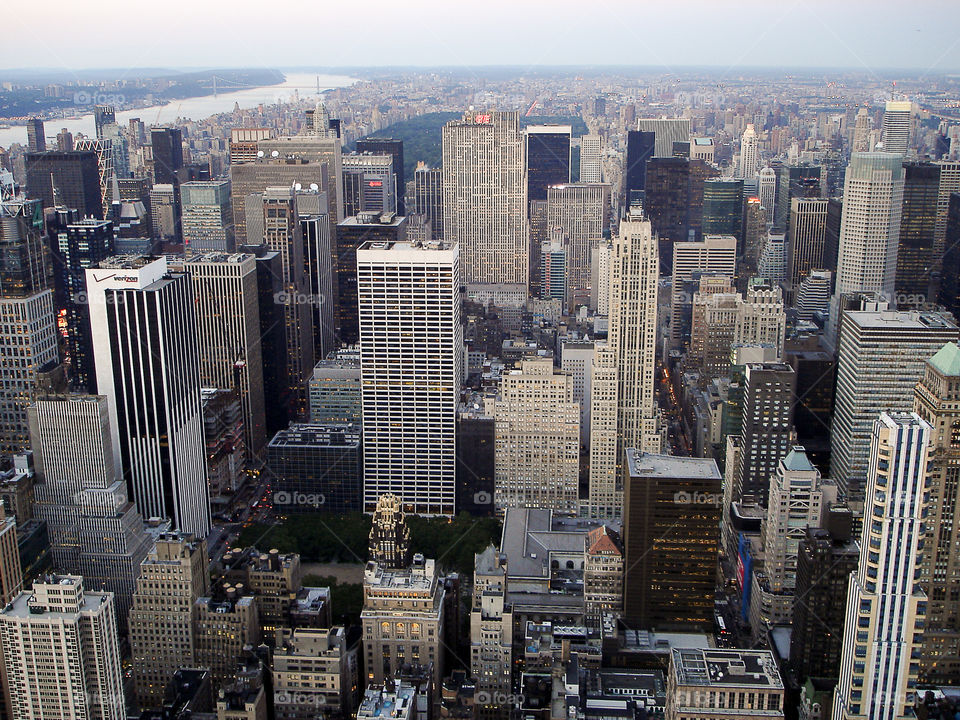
{"points": [[318, 435], [719, 667], [641, 464], [900, 320]]}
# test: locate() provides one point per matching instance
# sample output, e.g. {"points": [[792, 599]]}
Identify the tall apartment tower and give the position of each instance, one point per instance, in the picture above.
{"points": [[485, 197], [491, 627], [886, 602], [582, 210], [623, 404], [282, 233], [428, 197], [881, 358], [547, 152], [162, 621], [715, 255], [61, 652], [28, 343], [537, 452], [95, 531], [869, 227], [207, 216], [591, 166], [937, 401], [671, 538], [228, 330], [807, 229], [895, 132], [146, 358], [412, 363], [767, 427], [749, 153]]}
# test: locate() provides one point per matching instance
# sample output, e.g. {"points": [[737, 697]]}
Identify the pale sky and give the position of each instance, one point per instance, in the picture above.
{"points": [[860, 34]]}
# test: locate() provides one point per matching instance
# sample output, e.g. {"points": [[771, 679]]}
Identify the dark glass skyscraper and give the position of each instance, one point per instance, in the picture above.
{"points": [[950, 267], [918, 219], [393, 148], [640, 147], [548, 158], [75, 175], [428, 191], [667, 200], [723, 207], [36, 137], [167, 155]]}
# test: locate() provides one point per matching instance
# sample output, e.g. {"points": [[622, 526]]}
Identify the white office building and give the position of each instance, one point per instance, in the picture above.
{"points": [[591, 164], [895, 132], [749, 152]]}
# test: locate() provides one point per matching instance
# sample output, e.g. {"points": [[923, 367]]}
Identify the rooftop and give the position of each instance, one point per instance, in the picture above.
{"points": [[670, 466], [947, 360], [318, 435], [716, 667], [797, 460]]}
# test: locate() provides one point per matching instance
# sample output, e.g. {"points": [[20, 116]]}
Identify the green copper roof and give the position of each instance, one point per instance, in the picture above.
{"points": [[797, 460], [947, 360]]}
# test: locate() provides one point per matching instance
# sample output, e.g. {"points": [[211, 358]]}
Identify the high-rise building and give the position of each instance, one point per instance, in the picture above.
{"points": [[94, 530], [11, 574], [723, 207], [895, 133], [28, 343], [318, 246], [164, 213], [547, 149], [825, 559], [146, 358], [767, 427], [61, 652], [949, 184], [554, 266], [167, 143], [485, 197], [335, 391], [173, 576], [881, 358], [393, 148], [623, 404], [671, 537], [103, 149], [773, 260], [228, 331], [861, 131], [491, 627], [715, 255], [582, 210], [389, 541], [224, 626], [870, 226], [282, 233], [369, 184], [767, 192], [749, 153], [537, 439], [103, 115], [314, 671], [949, 291], [886, 603], [813, 294], [666, 131], [916, 258], [36, 135], [403, 619], [207, 215], [807, 230], [69, 178], [801, 180], [937, 401], [428, 195], [591, 165], [640, 148], [412, 362], [576, 358]]}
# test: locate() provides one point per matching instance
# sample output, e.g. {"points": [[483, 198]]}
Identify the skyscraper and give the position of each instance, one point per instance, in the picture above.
{"points": [[886, 603], [591, 167], [428, 194], [167, 143], [393, 148], [937, 401], [61, 652], [749, 152], [723, 207], [146, 358], [94, 530], [537, 456], [640, 148], [72, 175], [582, 210], [767, 192], [861, 131], [228, 331], [369, 184], [623, 404], [547, 150], [667, 131], [807, 231], [412, 355], [389, 541], [103, 149], [715, 255], [485, 197], [916, 256], [28, 343], [36, 136], [881, 358], [671, 538], [895, 132], [207, 215], [11, 574]]}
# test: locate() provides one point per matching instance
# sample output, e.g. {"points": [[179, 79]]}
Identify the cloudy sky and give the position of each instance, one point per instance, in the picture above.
{"points": [[921, 34]]}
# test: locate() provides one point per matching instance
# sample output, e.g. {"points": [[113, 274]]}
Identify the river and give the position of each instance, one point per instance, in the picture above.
{"points": [[305, 84]]}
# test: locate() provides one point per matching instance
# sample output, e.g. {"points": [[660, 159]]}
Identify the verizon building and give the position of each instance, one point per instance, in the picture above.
{"points": [[411, 345], [145, 353], [485, 197]]}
